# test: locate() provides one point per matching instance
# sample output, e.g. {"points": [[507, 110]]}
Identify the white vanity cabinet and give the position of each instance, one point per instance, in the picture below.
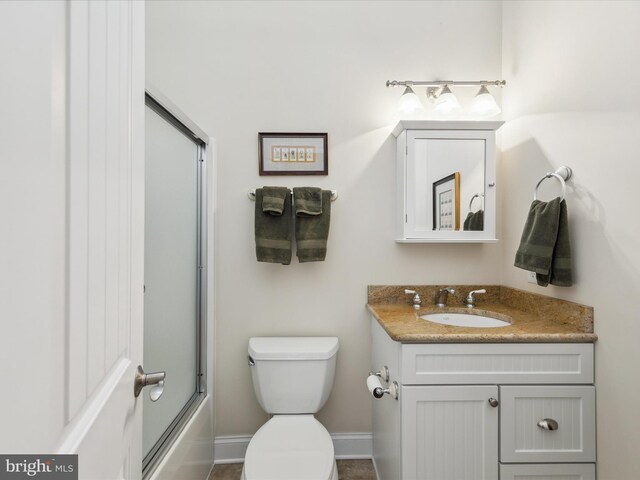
{"points": [[472, 411], [446, 172]]}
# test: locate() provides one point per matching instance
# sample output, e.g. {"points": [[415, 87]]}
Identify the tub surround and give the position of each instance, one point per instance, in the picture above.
{"points": [[534, 318]]}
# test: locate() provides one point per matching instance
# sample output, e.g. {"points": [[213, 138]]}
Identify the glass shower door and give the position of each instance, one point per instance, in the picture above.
{"points": [[173, 280]]}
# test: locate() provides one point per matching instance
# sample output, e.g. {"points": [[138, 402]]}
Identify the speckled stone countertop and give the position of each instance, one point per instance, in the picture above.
{"points": [[534, 318]]}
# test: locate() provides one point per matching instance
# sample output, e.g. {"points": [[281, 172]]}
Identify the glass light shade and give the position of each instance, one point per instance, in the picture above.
{"points": [[446, 102], [484, 105], [409, 101]]}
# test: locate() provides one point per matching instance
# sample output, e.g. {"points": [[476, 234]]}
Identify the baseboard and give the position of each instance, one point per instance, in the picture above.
{"points": [[232, 448]]}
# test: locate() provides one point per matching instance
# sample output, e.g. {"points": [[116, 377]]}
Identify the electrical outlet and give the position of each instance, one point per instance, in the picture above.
{"points": [[531, 277]]}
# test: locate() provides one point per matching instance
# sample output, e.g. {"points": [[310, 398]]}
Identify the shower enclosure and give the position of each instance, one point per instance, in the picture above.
{"points": [[175, 275]]}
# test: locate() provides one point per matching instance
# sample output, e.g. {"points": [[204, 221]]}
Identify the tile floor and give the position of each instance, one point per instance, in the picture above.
{"points": [[347, 470]]}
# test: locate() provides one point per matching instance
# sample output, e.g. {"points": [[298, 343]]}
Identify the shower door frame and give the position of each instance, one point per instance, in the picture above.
{"points": [[174, 116]]}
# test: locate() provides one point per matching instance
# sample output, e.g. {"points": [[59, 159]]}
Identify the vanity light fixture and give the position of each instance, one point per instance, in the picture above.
{"points": [[446, 102], [484, 105], [439, 92], [409, 101]]}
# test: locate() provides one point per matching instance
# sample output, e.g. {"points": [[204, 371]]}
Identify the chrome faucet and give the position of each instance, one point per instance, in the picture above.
{"points": [[443, 295], [471, 300], [417, 302]]}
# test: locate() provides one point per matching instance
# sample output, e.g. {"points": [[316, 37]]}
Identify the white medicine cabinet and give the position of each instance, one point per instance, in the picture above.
{"points": [[446, 175]]}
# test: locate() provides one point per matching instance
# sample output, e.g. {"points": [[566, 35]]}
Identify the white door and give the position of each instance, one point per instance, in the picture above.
{"points": [[72, 256], [449, 433]]}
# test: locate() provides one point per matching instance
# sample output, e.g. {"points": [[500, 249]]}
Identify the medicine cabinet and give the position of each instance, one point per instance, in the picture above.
{"points": [[446, 179]]}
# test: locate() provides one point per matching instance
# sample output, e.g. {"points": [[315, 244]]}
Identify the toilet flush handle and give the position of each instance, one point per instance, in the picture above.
{"points": [[250, 361]]}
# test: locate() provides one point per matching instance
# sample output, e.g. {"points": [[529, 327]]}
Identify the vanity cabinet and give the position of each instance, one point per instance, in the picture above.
{"points": [[484, 411], [446, 177]]}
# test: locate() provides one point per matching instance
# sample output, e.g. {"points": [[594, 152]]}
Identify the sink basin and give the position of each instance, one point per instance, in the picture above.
{"points": [[465, 320]]}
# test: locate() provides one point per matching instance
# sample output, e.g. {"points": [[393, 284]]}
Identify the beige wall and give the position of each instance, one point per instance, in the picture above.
{"points": [[573, 98], [238, 68]]}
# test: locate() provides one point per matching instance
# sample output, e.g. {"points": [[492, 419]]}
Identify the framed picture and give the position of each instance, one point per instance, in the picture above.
{"points": [[293, 154], [446, 203]]}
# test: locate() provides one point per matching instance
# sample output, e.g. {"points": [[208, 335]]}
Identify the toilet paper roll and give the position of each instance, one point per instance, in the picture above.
{"points": [[375, 386]]}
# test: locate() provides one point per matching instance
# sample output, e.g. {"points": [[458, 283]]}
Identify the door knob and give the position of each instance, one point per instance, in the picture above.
{"points": [[493, 402], [146, 379]]}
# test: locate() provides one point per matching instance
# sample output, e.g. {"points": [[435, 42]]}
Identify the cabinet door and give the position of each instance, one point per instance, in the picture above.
{"points": [[449, 433], [569, 409], [446, 171], [556, 471]]}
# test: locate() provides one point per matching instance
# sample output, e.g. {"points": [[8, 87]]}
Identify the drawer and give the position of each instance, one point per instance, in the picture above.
{"points": [[558, 471], [522, 438], [497, 363]]}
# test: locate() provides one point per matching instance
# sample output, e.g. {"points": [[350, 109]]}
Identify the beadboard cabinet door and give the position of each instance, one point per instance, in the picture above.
{"points": [[553, 471], [525, 412], [449, 433]]}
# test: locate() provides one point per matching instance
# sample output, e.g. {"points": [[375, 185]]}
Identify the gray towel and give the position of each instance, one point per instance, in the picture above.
{"points": [[273, 199], [307, 201], [273, 233], [312, 232], [474, 221], [545, 247]]}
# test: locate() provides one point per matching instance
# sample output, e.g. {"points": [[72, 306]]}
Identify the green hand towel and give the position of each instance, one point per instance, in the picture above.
{"points": [[307, 201], [545, 247], [273, 233], [474, 221], [312, 232], [273, 199]]}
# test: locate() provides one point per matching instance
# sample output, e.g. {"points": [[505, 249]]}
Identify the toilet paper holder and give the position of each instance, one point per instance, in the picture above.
{"points": [[383, 373], [377, 391]]}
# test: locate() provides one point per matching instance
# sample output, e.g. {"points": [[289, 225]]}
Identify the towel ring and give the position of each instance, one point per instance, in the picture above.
{"points": [[477, 195], [562, 174]]}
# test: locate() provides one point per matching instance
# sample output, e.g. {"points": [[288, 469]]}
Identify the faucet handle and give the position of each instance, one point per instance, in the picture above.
{"points": [[416, 298], [470, 300]]}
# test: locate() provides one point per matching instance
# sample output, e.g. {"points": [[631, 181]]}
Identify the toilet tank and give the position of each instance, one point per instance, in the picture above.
{"points": [[292, 374]]}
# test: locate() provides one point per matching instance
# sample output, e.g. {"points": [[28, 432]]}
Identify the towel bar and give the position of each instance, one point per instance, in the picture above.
{"points": [[562, 174], [252, 195]]}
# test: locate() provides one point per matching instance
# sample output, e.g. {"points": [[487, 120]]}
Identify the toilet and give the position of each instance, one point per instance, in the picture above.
{"points": [[292, 379]]}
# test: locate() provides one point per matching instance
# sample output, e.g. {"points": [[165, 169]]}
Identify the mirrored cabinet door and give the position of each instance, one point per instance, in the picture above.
{"points": [[446, 181]]}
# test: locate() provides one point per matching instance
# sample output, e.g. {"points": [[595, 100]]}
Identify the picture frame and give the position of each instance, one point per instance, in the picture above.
{"points": [[446, 203], [293, 153]]}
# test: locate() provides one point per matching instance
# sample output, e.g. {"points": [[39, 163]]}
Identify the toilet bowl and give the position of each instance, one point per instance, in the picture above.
{"points": [[290, 447], [292, 378]]}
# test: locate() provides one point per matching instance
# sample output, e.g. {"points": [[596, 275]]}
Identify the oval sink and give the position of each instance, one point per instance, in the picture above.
{"points": [[465, 320]]}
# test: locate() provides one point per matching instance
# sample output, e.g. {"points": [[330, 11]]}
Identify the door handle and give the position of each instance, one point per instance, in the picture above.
{"points": [[147, 379]]}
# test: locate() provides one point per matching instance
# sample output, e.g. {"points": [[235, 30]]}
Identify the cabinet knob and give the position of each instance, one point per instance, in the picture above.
{"points": [[493, 402], [548, 424]]}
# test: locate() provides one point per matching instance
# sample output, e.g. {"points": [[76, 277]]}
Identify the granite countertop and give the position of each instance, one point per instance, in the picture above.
{"points": [[534, 318]]}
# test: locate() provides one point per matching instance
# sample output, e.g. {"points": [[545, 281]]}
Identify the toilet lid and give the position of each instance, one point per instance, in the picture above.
{"points": [[290, 447]]}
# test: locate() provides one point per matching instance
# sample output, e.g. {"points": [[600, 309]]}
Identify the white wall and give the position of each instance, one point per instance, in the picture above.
{"points": [[33, 213], [231, 66], [573, 74]]}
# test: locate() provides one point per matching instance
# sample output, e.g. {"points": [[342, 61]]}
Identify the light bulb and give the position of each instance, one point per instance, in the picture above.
{"points": [[446, 102], [409, 101], [484, 105]]}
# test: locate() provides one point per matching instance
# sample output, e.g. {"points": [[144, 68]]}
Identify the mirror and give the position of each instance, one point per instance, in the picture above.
{"points": [[455, 169], [446, 203], [446, 177]]}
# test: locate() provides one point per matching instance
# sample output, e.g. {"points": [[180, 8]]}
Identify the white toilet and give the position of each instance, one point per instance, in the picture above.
{"points": [[292, 378]]}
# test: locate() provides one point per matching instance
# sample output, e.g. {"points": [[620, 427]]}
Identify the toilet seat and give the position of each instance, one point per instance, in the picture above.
{"points": [[290, 447]]}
